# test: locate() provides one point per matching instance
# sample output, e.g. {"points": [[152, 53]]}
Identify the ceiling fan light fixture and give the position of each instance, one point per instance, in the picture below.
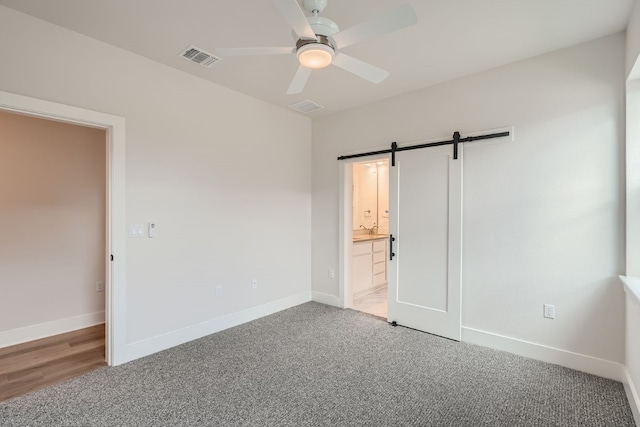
{"points": [[315, 55]]}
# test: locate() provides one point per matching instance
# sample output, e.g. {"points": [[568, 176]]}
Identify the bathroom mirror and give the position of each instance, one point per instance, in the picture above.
{"points": [[371, 196]]}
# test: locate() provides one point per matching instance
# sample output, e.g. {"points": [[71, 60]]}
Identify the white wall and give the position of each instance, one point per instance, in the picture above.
{"points": [[52, 221], [632, 352], [632, 159], [224, 176], [543, 216]]}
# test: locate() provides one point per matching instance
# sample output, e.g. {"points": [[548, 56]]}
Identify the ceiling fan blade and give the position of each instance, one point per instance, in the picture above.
{"points": [[293, 14], [400, 17], [247, 51], [360, 68], [299, 80]]}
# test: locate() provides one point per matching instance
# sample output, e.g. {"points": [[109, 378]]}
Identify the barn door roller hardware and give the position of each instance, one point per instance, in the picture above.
{"points": [[455, 142]]}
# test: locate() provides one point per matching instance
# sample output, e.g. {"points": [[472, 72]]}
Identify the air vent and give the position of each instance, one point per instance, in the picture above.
{"points": [[306, 106], [199, 56]]}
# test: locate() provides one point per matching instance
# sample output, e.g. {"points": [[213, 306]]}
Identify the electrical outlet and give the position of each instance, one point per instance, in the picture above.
{"points": [[331, 273], [219, 290], [549, 311], [254, 284], [100, 286]]}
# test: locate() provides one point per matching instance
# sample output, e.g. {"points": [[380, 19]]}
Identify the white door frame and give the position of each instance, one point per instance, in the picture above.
{"points": [[115, 211], [345, 225]]}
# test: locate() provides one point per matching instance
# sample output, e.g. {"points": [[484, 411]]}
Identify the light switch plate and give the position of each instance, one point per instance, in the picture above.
{"points": [[136, 230]]}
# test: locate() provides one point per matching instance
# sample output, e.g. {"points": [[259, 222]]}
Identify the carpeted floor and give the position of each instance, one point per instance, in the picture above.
{"points": [[315, 365]]}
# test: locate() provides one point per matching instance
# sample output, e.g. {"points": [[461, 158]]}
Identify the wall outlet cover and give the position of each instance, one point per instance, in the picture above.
{"points": [[549, 311]]}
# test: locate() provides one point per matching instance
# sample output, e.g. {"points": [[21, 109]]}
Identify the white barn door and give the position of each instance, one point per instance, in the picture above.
{"points": [[425, 201]]}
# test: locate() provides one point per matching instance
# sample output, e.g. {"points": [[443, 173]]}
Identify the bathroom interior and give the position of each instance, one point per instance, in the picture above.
{"points": [[370, 237]]}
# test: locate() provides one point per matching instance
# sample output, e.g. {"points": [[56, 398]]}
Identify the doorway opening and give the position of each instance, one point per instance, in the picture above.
{"points": [[54, 200], [114, 222], [369, 237]]}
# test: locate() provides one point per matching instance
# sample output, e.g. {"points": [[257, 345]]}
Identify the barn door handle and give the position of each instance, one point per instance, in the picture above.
{"points": [[391, 253]]}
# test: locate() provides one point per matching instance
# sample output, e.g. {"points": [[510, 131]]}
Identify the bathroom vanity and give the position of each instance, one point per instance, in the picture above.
{"points": [[369, 263]]}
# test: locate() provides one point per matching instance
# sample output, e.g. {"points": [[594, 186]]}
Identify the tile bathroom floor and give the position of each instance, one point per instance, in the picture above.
{"points": [[374, 303]]}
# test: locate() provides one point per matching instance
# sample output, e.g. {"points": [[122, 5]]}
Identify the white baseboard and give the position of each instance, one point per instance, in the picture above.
{"points": [[171, 339], [577, 361], [632, 394], [47, 329], [327, 299]]}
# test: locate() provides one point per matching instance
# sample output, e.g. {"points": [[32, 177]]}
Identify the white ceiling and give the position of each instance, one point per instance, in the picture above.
{"points": [[452, 38]]}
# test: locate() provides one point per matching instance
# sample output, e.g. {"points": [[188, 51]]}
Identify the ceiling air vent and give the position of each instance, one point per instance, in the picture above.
{"points": [[199, 56], [306, 106]]}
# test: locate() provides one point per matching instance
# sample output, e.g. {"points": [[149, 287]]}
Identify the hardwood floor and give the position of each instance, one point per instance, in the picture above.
{"points": [[36, 364]]}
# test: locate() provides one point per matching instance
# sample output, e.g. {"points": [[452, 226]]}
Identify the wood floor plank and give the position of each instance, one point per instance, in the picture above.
{"points": [[72, 372], [68, 364], [32, 366], [18, 362], [24, 387], [49, 341], [88, 337], [45, 355], [25, 375]]}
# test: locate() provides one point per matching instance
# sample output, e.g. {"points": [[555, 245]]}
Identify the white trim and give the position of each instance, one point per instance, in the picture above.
{"points": [[47, 329], [345, 226], [171, 339], [345, 234], [569, 359], [631, 287], [632, 394], [327, 299], [116, 215]]}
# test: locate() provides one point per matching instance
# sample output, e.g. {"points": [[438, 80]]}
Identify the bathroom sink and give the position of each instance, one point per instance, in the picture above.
{"points": [[365, 237]]}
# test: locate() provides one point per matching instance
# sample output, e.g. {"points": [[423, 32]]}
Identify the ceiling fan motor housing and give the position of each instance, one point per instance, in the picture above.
{"points": [[323, 26], [322, 40], [315, 6]]}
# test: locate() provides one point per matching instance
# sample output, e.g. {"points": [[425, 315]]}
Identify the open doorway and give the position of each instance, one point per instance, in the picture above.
{"points": [[115, 265], [370, 234], [53, 250], [53, 222]]}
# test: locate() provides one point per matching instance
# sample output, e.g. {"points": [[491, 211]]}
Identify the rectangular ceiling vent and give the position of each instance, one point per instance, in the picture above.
{"points": [[199, 56], [306, 106]]}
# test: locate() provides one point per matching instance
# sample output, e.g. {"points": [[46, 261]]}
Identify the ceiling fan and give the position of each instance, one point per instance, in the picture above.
{"points": [[319, 40]]}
